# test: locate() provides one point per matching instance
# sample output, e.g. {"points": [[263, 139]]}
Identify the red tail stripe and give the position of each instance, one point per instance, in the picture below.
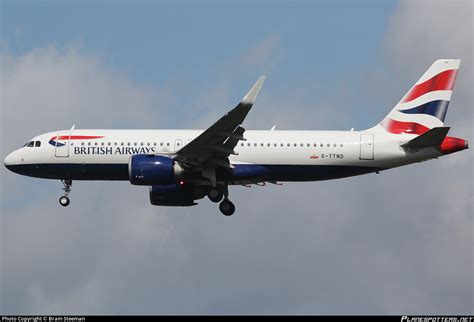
{"points": [[75, 137], [451, 144], [442, 81], [397, 127]]}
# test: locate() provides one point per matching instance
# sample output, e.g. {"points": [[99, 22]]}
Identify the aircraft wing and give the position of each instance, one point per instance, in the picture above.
{"points": [[216, 143]]}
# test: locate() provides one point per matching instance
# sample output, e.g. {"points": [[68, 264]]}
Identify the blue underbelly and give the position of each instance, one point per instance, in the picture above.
{"points": [[239, 173]]}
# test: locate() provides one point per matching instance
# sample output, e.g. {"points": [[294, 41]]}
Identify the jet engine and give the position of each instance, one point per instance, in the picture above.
{"points": [[150, 169]]}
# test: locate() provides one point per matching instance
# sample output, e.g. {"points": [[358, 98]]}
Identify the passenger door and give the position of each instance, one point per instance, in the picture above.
{"points": [[61, 149]]}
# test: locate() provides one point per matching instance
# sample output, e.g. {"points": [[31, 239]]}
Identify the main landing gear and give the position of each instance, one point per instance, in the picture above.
{"points": [[64, 200], [216, 194], [227, 207]]}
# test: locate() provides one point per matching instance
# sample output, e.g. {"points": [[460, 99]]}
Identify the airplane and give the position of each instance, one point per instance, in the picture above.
{"points": [[182, 166]]}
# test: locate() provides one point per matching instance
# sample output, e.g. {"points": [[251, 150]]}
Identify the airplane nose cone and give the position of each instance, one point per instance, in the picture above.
{"points": [[10, 161]]}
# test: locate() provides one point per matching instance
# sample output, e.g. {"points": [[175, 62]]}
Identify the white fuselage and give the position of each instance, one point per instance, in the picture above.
{"points": [[356, 152]]}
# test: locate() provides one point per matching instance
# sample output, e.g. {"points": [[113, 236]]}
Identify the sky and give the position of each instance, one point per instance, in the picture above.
{"points": [[400, 242]]}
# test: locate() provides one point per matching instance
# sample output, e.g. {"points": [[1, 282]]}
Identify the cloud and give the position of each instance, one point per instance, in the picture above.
{"points": [[64, 86], [397, 242], [263, 56]]}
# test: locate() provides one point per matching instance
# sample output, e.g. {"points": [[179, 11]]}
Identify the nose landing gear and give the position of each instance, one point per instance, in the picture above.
{"points": [[64, 200]]}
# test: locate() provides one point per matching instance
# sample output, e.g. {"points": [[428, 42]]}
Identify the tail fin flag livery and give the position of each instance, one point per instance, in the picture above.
{"points": [[425, 105], [181, 166]]}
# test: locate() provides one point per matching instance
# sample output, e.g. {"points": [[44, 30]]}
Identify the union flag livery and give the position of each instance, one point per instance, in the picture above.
{"points": [[426, 103]]}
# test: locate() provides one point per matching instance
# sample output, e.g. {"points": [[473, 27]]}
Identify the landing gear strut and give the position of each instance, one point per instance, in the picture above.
{"points": [[226, 206], [64, 200]]}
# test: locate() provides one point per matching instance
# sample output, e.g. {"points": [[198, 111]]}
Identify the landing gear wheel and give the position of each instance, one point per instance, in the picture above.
{"points": [[64, 201], [215, 195], [227, 207]]}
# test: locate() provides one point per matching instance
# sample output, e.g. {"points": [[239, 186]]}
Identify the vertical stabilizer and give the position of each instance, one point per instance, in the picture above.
{"points": [[425, 105]]}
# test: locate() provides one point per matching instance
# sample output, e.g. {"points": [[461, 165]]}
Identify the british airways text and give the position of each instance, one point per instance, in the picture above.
{"points": [[101, 150]]}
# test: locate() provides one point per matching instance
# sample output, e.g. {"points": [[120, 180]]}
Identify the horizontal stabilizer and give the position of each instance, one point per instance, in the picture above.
{"points": [[433, 137]]}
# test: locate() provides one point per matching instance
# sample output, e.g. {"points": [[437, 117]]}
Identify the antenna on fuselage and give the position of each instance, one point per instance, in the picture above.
{"points": [[73, 126], [273, 128]]}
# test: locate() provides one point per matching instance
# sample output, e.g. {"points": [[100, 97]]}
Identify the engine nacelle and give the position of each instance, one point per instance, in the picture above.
{"points": [[176, 194], [150, 169]]}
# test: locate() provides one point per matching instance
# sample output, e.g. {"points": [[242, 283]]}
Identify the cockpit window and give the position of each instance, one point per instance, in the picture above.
{"points": [[37, 144], [30, 144]]}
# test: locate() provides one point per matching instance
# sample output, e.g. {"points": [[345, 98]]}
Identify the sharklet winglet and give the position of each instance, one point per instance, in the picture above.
{"points": [[251, 95]]}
